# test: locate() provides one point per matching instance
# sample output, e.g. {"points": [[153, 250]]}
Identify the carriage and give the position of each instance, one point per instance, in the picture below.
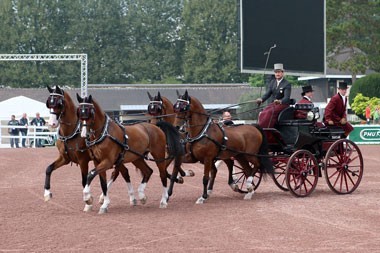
{"points": [[303, 150]]}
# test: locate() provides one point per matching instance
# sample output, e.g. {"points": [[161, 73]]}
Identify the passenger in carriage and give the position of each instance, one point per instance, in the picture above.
{"points": [[278, 92], [335, 111], [307, 95], [227, 118]]}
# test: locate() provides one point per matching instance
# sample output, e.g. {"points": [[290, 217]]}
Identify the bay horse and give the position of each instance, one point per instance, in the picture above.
{"points": [[160, 108], [209, 141], [72, 148], [112, 144]]}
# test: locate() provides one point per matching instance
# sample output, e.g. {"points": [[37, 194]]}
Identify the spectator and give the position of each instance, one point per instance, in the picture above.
{"points": [[13, 131], [278, 91], [335, 111], [376, 115], [38, 121], [227, 118], [24, 131], [368, 114], [307, 95]]}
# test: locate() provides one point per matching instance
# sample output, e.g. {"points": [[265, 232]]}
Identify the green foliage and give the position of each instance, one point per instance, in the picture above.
{"points": [[129, 41], [361, 102], [368, 86], [248, 108], [353, 29], [209, 33]]}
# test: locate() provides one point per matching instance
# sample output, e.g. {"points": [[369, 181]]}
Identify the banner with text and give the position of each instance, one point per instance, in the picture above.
{"points": [[365, 134]]}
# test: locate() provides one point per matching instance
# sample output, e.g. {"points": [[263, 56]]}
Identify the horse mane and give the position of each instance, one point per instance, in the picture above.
{"points": [[69, 104], [192, 99], [98, 109]]}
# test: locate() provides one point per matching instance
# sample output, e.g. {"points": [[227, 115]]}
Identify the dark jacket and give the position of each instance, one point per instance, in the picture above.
{"points": [[13, 131], [23, 122], [282, 92], [38, 122]]}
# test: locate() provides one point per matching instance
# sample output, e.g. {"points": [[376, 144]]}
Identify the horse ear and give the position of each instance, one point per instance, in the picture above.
{"points": [[178, 93], [159, 95], [186, 95], [59, 90], [79, 98], [89, 99], [150, 96], [49, 88]]}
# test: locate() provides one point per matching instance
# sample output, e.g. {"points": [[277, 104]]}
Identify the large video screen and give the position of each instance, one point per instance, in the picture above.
{"points": [[291, 32]]}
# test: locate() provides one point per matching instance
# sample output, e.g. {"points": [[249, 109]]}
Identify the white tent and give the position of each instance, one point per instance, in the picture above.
{"points": [[18, 105]]}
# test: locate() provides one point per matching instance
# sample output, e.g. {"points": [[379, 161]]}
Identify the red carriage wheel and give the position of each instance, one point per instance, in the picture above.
{"points": [[343, 166], [279, 175], [240, 178], [302, 173]]}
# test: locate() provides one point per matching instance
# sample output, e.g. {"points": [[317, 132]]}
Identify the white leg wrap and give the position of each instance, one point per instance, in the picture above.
{"points": [[86, 193], [104, 207], [47, 195], [131, 194], [164, 198]]}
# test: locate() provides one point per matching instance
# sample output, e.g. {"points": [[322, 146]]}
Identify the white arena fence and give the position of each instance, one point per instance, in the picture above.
{"points": [[48, 138]]}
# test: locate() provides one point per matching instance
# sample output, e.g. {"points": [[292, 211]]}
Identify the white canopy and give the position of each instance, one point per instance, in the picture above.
{"points": [[18, 105]]}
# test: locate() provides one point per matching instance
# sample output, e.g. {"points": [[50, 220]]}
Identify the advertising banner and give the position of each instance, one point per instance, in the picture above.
{"points": [[365, 134]]}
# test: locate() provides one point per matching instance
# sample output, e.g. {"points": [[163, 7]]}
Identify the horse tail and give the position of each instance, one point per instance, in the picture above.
{"points": [[173, 139], [266, 163]]}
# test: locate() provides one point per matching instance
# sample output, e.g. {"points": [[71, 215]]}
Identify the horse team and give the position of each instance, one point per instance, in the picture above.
{"points": [[179, 133]]}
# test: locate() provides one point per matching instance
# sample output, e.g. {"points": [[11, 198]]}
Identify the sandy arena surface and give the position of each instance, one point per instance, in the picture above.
{"points": [[273, 221]]}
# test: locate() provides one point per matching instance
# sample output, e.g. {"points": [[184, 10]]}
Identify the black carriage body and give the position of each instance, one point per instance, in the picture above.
{"points": [[302, 150]]}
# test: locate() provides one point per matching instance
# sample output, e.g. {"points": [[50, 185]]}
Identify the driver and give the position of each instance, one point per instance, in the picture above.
{"points": [[278, 91]]}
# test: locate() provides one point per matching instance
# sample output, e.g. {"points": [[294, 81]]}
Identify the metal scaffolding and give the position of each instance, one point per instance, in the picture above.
{"points": [[54, 57]]}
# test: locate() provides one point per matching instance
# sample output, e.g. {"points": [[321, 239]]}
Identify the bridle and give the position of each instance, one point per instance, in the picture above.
{"points": [[155, 107], [56, 101]]}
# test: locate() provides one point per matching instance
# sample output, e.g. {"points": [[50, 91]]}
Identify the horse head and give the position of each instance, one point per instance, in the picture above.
{"points": [[56, 105], [155, 106], [182, 108], [86, 113]]}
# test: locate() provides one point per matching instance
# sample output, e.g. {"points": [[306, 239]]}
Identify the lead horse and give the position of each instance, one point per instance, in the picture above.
{"points": [[112, 144], [72, 148], [209, 141]]}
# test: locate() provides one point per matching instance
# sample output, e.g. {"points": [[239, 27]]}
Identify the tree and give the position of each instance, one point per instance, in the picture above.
{"points": [[349, 27], [209, 32]]}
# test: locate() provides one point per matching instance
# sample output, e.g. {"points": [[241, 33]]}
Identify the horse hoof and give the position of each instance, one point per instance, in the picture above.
{"points": [[190, 173], [133, 202], [89, 201], [180, 180], [48, 197], [249, 195], [143, 200], [101, 199], [201, 200], [234, 187], [87, 208], [163, 205], [103, 210]]}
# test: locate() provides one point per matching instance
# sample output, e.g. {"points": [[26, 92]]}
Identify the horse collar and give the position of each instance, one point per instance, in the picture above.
{"points": [[202, 133], [102, 136], [66, 138]]}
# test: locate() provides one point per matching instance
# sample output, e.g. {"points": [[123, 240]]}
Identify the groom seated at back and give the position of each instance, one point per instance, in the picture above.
{"points": [[335, 111], [278, 92]]}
